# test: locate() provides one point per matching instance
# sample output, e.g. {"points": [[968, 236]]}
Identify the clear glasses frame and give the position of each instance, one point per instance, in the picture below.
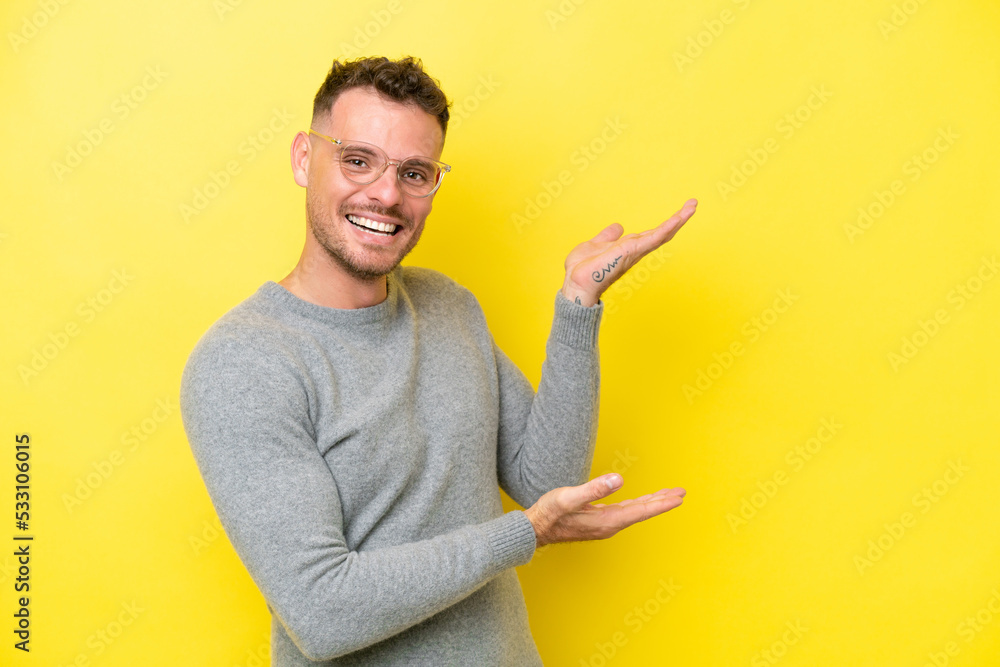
{"points": [[403, 186]]}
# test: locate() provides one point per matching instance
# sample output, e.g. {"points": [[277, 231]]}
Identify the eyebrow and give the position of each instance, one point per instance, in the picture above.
{"points": [[361, 149]]}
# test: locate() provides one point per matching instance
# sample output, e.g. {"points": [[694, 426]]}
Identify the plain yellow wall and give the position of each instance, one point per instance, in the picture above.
{"points": [[813, 357]]}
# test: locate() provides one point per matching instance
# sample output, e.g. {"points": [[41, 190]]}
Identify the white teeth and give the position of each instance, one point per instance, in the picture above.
{"points": [[387, 228]]}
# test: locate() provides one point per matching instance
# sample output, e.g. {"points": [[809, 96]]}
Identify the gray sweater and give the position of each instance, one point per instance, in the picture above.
{"points": [[354, 458]]}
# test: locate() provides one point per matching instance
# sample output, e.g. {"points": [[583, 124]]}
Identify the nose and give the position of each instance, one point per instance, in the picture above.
{"points": [[385, 189]]}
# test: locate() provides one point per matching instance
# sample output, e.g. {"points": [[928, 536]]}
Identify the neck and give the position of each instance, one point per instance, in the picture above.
{"points": [[324, 282]]}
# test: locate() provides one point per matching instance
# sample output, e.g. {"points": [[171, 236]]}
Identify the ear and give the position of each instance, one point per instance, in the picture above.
{"points": [[301, 152]]}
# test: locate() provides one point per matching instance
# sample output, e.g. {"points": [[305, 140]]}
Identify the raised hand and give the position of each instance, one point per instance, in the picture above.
{"points": [[567, 515], [593, 265]]}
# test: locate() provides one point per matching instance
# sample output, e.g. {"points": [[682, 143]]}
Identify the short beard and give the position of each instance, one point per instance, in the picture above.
{"points": [[333, 242]]}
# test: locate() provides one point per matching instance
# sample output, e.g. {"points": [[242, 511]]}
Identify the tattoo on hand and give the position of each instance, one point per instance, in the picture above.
{"points": [[578, 301], [599, 275]]}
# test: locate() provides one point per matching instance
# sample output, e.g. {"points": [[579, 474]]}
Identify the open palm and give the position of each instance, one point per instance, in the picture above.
{"points": [[593, 265]]}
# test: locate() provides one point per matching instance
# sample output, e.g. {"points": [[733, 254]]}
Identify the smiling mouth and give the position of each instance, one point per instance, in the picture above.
{"points": [[372, 226]]}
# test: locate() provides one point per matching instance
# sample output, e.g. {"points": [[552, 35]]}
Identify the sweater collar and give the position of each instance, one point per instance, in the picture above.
{"points": [[380, 312]]}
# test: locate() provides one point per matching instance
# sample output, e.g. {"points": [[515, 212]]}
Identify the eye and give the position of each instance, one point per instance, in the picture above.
{"points": [[358, 158], [413, 175], [417, 171]]}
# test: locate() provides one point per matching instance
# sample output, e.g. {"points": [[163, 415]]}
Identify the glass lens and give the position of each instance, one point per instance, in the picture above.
{"points": [[361, 162], [418, 176]]}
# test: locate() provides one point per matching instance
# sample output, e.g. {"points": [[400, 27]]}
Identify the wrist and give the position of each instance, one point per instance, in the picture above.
{"points": [[533, 518], [579, 296]]}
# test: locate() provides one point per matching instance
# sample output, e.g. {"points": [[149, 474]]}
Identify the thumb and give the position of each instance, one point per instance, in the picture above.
{"points": [[599, 487], [609, 233]]}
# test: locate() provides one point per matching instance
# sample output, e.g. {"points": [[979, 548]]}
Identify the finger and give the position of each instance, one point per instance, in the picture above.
{"points": [[653, 238], [640, 499], [676, 491], [595, 489], [632, 247], [609, 233], [636, 246], [640, 511], [683, 213], [671, 225]]}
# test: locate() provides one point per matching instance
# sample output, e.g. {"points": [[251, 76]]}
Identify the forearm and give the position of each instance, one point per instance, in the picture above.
{"points": [[550, 435], [333, 601]]}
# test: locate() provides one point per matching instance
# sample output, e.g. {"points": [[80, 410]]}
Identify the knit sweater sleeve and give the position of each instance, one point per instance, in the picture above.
{"points": [[546, 439], [246, 411]]}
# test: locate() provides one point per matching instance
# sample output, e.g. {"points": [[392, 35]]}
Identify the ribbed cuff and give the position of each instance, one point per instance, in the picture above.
{"points": [[512, 539], [576, 325]]}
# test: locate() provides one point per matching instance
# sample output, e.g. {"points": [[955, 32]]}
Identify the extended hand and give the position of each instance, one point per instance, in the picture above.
{"points": [[567, 515], [593, 265]]}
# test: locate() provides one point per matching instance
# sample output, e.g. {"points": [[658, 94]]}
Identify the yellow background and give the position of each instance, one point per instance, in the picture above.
{"points": [[533, 85]]}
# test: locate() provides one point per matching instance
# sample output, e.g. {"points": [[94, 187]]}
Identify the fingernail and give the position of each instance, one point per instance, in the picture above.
{"points": [[691, 201], [613, 481]]}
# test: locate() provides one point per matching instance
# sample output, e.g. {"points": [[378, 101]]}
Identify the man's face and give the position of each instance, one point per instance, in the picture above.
{"points": [[360, 114]]}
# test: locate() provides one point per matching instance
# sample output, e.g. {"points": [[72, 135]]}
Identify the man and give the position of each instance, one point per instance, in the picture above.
{"points": [[353, 422]]}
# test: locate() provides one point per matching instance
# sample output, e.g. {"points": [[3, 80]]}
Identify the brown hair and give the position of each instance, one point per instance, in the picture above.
{"points": [[402, 80]]}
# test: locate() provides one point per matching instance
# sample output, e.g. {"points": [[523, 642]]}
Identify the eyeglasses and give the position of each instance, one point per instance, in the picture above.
{"points": [[364, 163]]}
